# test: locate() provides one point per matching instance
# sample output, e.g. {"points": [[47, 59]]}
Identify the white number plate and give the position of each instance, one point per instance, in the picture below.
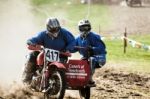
{"points": [[51, 55]]}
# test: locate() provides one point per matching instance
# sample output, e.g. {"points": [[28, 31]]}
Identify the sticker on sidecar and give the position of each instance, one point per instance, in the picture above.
{"points": [[76, 70], [77, 74]]}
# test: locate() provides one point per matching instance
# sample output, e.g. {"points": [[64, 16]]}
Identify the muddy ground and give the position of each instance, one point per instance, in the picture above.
{"points": [[111, 83]]}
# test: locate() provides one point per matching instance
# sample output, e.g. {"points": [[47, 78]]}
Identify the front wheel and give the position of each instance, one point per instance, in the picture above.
{"points": [[57, 82], [85, 93]]}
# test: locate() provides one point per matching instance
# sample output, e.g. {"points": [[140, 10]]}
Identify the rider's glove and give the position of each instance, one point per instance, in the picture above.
{"points": [[89, 48], [68, 53], [29, 42], [32, 46], [90, 51]]}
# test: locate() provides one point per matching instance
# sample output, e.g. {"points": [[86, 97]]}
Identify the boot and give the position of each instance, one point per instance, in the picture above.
{"points": [[91, 83], [28, 73]]}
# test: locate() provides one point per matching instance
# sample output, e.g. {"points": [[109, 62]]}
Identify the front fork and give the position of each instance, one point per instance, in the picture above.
{"points": [[44, 81]]}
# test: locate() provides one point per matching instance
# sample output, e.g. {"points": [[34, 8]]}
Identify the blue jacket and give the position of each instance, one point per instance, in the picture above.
{"points": [[64, 41], [93, 40]]}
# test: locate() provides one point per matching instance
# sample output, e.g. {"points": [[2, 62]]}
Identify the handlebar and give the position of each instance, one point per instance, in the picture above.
{"points": [[89, 50], [36, 47], [68, 54]]}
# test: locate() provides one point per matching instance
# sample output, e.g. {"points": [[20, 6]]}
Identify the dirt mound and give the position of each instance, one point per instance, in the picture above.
{"points": [[119, 84], [111, 84]]}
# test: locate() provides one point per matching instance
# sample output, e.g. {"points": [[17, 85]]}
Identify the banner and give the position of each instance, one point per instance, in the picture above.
{"points": [[133, 43], [136, 44]]}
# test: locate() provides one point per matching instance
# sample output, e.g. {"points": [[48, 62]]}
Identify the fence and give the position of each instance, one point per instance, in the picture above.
{"points": [[126, 41]]}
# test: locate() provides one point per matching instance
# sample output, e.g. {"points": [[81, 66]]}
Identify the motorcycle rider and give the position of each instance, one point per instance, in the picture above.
{"points": [[95, 50], [54, 37]]}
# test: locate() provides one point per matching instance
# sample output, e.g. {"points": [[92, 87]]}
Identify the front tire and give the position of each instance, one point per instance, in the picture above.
{"points": [[58, 83]]}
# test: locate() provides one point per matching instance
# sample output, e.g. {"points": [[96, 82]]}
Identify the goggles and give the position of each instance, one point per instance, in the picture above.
{"points": [[53, 30], [84, 28]]}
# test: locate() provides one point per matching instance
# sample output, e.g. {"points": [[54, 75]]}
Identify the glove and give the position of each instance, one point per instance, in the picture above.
{"points": [[29, 42], [68, 53], [34, 47], [90, 51], [89, 48]]}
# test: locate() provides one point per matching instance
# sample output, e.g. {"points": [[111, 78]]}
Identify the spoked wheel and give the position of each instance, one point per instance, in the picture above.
{"points": [[85, 93], [57, 83]]}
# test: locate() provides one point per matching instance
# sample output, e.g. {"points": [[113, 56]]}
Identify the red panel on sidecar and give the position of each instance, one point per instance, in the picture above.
{"points": [[78, 73]]}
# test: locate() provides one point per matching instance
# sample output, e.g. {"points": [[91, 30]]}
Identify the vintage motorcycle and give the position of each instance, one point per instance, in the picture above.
{"points": [[56, 74]]}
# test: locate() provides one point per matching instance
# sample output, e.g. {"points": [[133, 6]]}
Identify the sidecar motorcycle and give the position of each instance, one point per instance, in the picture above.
{"points": [[58, 75]]}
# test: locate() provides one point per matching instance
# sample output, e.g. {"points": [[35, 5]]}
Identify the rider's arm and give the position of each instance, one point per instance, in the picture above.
{"points": [[98, 45], [34, 47], [35, 42], [69, 40], [75, 46]]}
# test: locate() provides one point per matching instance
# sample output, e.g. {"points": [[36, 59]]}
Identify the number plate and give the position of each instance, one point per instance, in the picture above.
{"points": [[52, 55]]}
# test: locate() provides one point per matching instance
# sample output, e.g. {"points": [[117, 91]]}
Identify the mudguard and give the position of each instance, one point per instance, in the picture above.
{"points": [[58, 65], [40, 61]]}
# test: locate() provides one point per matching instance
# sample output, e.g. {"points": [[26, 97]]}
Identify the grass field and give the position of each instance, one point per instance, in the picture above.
{"points": [[72, 11], [136, 59]]}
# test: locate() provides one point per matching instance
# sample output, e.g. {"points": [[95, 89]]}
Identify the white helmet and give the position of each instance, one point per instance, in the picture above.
{"points": [[53, 26], [84, 27]]}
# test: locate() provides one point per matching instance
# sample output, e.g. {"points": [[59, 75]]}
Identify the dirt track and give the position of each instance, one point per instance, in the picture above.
{"points": [[111, 84], [116, 84]]}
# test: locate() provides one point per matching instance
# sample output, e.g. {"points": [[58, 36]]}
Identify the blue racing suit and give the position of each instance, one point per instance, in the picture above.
{"points": [[63, 42], [97, 55]]}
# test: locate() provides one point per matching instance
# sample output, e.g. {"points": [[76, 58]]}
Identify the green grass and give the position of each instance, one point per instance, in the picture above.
{"points": [[72, 11], [136, 59], [116, 51]]}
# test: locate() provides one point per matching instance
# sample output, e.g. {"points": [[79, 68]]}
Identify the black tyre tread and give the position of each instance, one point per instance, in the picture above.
{"points": [[62, 92]]}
